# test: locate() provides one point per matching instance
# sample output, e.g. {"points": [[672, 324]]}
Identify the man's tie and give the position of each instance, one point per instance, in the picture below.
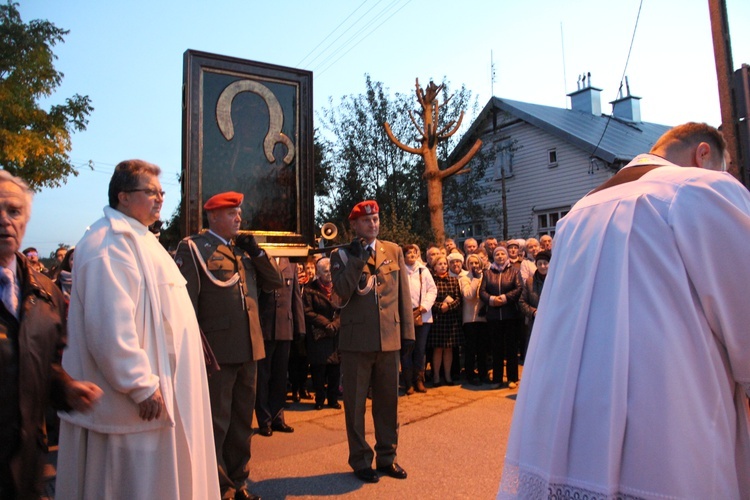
{"points": [[10, 295]]}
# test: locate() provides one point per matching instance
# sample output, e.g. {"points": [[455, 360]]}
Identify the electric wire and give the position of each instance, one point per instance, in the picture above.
{"points": [[330, 34], [622, 78], [320, 72]]}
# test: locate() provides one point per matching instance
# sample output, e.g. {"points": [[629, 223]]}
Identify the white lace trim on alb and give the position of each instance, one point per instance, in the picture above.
{"points": [[528, 485]]}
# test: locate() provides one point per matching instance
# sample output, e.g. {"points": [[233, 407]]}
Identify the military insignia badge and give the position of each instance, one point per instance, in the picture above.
{"points": [[368, 209], [178, 261], [337, 266]]}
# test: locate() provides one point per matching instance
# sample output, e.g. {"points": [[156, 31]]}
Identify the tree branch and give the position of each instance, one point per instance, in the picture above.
{"points": [[416, 125], [462, 162], [398, 143], [443, 136]]}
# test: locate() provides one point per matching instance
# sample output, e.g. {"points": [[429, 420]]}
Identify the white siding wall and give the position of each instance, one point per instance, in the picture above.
{"points": [[535, 185]]}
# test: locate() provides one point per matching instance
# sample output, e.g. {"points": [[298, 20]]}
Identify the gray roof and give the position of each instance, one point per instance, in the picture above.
{"points": [[621, 142]]}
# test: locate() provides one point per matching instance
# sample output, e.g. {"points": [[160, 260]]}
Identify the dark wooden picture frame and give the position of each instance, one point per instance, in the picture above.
{"points": [[247, 127]]}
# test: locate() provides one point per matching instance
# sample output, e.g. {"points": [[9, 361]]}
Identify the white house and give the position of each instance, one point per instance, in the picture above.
{"points": [[551, 157]]}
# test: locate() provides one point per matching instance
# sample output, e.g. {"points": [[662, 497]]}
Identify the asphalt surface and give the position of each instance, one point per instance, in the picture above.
{"points": [[451, 442]]}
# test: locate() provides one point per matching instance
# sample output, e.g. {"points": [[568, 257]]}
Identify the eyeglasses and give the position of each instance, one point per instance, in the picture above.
{"points": [[149, 192]]}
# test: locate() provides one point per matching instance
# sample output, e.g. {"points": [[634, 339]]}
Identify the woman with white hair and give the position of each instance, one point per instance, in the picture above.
{"points": [[474, 322]]}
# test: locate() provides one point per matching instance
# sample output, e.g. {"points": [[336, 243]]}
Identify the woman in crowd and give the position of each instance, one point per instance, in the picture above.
{"points": [[532, 290], [474, 322], [323, 322], [445, 333], [423, 293], [500, 290]]}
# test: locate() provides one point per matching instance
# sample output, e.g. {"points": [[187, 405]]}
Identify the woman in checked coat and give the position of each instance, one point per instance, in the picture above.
{"points": [[445, 333]]}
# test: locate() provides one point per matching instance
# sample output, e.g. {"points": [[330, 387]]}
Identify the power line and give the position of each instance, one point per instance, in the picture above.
{"points": [[367, 34], [331, 33], [622, 78], [344, 33]]}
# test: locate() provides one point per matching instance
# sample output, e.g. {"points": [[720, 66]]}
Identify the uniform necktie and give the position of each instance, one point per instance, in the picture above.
{"points": [[10, 296]]}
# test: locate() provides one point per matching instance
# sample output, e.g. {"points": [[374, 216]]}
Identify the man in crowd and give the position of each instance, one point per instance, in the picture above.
{"points": [[545, 242], [370, 278], [528, 266], [32, 335], [282, 318], [32, 257], [225, 272], [470, 246], [490, 244], [450, 246], [433, 252], [133, 332], [616, 336]]}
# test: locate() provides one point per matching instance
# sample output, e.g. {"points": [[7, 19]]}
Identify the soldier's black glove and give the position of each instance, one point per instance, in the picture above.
{"points": [[356, 249], [247, 243]]}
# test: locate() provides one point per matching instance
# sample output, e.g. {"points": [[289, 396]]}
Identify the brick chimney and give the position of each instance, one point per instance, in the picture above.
{"points": [[586, 98]]}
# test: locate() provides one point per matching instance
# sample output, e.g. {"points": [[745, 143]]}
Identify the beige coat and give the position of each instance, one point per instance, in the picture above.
{"points": [[379, 319]]}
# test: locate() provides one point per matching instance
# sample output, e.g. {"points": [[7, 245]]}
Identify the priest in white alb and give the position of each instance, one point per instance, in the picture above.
{"points": [[133, 330], [638, 372]]}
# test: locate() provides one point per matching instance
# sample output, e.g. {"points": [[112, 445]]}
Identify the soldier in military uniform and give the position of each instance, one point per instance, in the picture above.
{"points": [[370, 278], [282, 318], [224, 274]]}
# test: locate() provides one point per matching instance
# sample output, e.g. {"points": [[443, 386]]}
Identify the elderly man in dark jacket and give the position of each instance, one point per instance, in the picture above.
{"points": [[32, 336]]}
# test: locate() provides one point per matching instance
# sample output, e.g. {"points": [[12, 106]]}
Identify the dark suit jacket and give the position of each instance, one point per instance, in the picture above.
{"points": [[282, 314], [367, 324], [30, 351], [228, 316]]}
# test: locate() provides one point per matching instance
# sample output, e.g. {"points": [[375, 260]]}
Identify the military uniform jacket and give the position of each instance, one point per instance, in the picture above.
{"points": [[379, 319], [282, 313], [227, 315]]}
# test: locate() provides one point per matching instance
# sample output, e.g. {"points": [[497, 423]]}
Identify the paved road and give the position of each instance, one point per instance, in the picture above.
{"points": [[452, 441]]}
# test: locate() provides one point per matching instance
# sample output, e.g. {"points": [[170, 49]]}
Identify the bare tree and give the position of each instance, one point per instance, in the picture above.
{"points": [[431, 135]]}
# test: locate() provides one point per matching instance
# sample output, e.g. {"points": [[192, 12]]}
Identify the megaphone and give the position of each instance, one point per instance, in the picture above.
{"points": [[329, 231]]}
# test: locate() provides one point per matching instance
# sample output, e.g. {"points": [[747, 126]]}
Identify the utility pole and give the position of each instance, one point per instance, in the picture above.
{"points": [[724, 69]]}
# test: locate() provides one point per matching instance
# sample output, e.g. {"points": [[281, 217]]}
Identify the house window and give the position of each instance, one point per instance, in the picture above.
{"points": [[504, 159], [552, 157], [547, 220], [469, 230]]}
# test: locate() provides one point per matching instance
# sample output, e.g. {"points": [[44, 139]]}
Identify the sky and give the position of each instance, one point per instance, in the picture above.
{"points": [[127, 56]]}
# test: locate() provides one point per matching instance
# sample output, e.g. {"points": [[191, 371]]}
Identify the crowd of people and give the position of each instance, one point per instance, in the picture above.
{"points": [[168, 357]]}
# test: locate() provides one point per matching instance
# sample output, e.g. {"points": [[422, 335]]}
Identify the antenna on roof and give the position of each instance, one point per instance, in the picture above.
{"points": [[565, 74], [492, 74], [627, 85]]}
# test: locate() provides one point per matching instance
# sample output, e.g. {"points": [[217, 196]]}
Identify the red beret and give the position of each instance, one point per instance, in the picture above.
{"points": [[368, 207], [230, 199]]}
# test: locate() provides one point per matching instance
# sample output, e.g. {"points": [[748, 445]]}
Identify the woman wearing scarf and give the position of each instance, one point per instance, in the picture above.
{"points": [[323, 323], [500, 290]]}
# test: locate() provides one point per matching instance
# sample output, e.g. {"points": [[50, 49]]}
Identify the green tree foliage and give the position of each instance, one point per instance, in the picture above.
{"points": [[34, 143], [364, 164]]}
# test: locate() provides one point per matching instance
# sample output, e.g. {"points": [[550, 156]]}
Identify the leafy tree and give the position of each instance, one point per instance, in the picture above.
{"points": [[364, 163], [34, 143]]}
